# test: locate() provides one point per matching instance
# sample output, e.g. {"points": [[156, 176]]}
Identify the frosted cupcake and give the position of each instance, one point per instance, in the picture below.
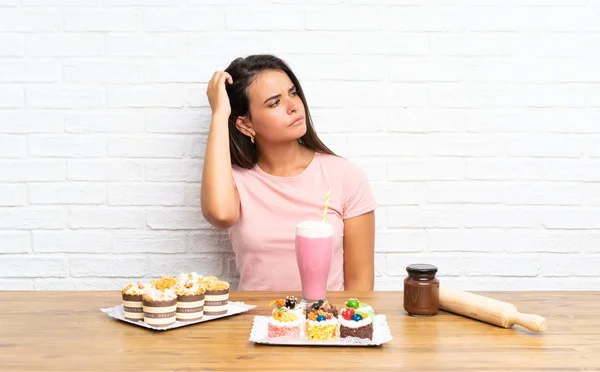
{"points": [[160, 307], [285, 320], [132, 300], [190, 300], [216, 301]]}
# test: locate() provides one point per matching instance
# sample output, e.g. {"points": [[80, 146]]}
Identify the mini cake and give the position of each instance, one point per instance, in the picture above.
{"points": [[286, 318], [160, 307], [190, 300], [356, 320], [321, 322], [164, 282], [216, 300], [132, 300]]}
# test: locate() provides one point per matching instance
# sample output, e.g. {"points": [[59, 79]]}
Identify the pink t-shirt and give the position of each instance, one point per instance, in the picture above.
{"points": [[263, 239]]}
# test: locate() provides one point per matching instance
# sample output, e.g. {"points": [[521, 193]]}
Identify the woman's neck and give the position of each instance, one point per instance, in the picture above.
{"points": [[284, 160]]}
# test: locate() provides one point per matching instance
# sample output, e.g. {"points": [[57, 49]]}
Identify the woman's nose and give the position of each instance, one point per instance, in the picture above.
{"points": [[292, 105]]}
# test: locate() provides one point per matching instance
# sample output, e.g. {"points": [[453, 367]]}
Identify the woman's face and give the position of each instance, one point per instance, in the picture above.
{"points": [[276, 110]]}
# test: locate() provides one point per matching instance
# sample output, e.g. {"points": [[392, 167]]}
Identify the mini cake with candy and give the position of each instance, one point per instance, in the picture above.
{"points": [[321, 322], [356, 320], [286, 318]]}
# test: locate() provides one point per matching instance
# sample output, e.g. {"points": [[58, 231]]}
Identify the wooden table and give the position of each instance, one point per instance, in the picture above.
{"points": [[65, 331]]}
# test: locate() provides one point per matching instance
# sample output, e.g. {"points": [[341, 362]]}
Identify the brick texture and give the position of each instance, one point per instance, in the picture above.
{"points": [[477, 124]]}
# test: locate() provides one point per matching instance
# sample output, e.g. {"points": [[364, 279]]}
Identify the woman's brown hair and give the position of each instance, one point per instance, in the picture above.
{"points": [[244, 71]]}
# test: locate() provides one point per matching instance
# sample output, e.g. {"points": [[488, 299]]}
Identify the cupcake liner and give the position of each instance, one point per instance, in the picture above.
{"points": [[160, 313], [132, 306], [216, 302], [190, 307]]}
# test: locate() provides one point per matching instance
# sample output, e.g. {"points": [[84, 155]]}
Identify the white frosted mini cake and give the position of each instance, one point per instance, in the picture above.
{"points": [[160, 307]]}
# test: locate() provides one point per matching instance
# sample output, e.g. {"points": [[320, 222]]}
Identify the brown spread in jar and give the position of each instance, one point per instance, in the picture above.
{"points": [[421, 290]]}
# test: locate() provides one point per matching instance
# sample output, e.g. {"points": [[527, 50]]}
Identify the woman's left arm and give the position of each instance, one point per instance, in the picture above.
{"points": [[359, 252]]}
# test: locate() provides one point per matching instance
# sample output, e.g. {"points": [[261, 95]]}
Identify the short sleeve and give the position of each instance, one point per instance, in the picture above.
{"points": [[236, 175], [358, 195]]}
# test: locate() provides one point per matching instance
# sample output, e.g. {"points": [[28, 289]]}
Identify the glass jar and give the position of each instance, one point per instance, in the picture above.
{"points": [[421, 290]]}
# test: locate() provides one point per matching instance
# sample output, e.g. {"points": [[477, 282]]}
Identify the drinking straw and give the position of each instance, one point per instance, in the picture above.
{"points": [[327, 197]]}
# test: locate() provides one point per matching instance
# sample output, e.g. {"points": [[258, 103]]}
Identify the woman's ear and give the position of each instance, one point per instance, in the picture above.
{"points": [[245, 126]]}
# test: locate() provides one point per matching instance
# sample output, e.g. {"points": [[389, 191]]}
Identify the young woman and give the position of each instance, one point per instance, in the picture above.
{"points": [[266, 170]]}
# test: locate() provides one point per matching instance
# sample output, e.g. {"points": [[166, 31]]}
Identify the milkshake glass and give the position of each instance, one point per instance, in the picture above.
{"points": [[314, 249]]}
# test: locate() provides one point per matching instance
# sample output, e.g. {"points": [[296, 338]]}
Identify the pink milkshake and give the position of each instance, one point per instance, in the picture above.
{"points": [[314, 248]]}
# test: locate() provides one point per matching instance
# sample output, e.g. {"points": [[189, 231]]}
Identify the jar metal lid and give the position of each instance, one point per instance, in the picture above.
{"points": [[421, 269]]}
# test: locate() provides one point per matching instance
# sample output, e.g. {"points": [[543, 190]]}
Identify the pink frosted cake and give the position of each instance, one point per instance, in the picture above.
{"points": [[286, 318]]}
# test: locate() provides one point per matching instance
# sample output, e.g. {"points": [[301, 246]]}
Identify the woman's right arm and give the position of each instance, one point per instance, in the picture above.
{"points": [[219, 198]]}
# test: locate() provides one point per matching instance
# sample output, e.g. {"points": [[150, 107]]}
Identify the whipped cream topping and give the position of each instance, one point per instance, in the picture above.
{"points": [[183, 277], [353, 323], [153, 294], [134, 289], [189, 287]]}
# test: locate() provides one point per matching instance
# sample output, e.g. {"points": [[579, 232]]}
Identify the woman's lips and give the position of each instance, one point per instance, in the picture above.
{"points": [[298, 120]]}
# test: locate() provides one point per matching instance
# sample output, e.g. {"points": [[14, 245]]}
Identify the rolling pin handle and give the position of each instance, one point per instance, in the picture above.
{"points": [[532, 322]]}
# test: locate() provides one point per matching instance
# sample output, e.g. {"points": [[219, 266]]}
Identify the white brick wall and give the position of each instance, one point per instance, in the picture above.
{"points": [[476, 121]]}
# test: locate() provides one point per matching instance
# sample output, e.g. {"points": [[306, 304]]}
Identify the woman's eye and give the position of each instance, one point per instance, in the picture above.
{"points": [[294, 94], [274, 103]]}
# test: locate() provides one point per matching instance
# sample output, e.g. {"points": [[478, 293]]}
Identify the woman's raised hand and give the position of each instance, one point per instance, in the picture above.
{"points": [[217, 94]]}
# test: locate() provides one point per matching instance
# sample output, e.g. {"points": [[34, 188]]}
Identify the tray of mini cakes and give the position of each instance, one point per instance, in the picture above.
{"points": [[172, 302], [320, 323]]}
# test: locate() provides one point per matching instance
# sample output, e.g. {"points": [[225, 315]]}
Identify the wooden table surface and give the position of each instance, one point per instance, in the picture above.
{"points": [[65, 331]]}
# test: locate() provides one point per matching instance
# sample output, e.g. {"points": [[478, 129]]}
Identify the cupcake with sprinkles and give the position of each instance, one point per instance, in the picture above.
{"points": [[321, 322], [286, 318], [356, 320], [132, 300]]}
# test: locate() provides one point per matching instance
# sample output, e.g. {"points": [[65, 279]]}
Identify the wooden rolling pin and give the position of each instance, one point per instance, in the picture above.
{"points": [[488, 310]]}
